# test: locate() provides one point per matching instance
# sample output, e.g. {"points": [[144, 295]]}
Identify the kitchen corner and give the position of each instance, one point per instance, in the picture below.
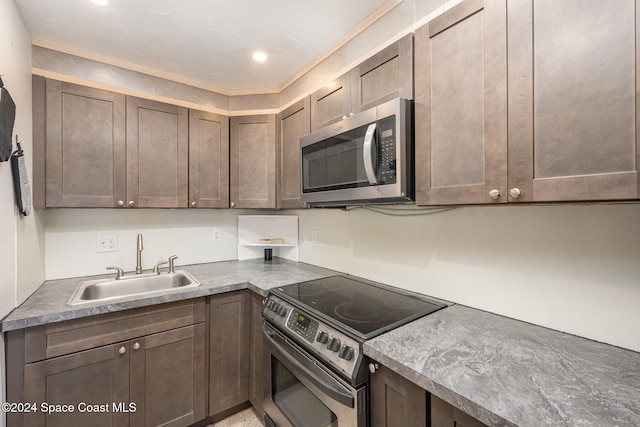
{"points": [[523, 210], [499, 370]]}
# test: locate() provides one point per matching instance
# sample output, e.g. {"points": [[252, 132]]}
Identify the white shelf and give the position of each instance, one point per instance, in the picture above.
{"points": [[270, 245], [252, 228]]}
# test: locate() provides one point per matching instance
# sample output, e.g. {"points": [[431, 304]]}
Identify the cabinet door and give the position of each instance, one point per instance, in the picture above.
{"points": [[253, 161], [573, 119], [39, 165], [446, 415], [385, 76], [331, 103], [157, 154], [295, 122], [96, 377], [257, 381], [85, 146], [167, 377], [208, 160], [396, 401], [229, 351], [460, 105]]}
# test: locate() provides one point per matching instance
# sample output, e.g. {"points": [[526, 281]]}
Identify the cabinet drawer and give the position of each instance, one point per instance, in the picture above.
{"points": [[57, 339]]}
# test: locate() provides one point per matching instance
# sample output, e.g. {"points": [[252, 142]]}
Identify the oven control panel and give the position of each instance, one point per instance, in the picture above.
{"points": [[327, 343], [303, 325]]}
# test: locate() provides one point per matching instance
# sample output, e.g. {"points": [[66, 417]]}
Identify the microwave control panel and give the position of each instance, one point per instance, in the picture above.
{"points": [[387, 151]]}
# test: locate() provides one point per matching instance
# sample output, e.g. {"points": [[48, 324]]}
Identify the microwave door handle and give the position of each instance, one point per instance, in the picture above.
{"points": [[336, 394], [368, 153]]}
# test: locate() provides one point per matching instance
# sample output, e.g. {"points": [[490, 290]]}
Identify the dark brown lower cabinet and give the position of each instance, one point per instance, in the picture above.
{"points": [[167, 377], [257, 381], [446, 415], [229, 351], [140, 367], [95, 377], [396, 401]]}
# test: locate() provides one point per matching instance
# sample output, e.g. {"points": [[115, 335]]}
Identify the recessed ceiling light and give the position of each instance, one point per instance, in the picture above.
{"points": [[101, 3], [259, 56]]}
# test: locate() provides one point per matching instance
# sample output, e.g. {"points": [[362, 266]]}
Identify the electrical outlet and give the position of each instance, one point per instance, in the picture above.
{"points": [[107, 244], [216, 235], [314, 236]]}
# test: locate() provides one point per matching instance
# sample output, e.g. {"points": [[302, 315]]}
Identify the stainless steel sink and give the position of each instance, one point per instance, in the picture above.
{"points": [[107, 289]]}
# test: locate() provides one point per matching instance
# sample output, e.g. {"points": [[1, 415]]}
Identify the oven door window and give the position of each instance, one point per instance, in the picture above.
{"points": [[301, 407]]}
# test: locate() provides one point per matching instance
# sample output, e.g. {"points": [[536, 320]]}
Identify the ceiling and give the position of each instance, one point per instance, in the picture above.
{"points": [[206, 42]]}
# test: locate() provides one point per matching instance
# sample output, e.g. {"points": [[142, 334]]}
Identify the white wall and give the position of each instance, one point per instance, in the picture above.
{"points": [[574, 268], [15, 67], [71, 238]]}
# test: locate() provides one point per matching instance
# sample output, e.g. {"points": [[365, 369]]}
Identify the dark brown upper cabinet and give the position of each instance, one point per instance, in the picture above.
{"points": [[384, 76], [331, 103], [102, 149], [461, 105], [252, 177], [85, 145], [208, 160], [573, 120], [157, 154], [569, 93], [295, 122]]}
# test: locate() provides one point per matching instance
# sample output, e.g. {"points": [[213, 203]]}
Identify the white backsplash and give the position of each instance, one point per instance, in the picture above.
{"points": [[71, 236], [574, 268]]}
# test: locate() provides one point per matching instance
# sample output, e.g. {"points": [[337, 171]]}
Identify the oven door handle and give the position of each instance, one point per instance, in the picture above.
{"points": [[332, 390]]}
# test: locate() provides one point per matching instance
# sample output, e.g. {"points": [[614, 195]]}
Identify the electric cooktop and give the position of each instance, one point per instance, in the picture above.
{"points": [[364, 308]]}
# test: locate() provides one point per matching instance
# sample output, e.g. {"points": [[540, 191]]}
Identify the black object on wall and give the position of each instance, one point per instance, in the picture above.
{"points": [[20, 180], [7, 119]]}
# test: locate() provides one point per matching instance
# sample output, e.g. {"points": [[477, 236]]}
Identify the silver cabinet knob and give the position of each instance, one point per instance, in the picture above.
{"points": [[122, 350], [373, 367], [515, 192], [193, 204], [233, 205], [131, 203], [495, 194], [120, 203], [136, 346]]}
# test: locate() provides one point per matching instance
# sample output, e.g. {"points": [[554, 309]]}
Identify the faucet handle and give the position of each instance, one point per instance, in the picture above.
{"points": [[156, 268], [120, 273], [172, 269]]}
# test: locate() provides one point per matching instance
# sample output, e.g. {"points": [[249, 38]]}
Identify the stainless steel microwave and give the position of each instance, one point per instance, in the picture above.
{"points": [[366, 158]]}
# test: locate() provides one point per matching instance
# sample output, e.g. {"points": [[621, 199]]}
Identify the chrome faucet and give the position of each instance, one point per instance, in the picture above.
{"points": [[139, 254]]}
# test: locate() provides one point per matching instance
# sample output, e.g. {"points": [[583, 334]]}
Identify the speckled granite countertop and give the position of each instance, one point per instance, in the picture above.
{"points": [[509, 373], [49, 302]]}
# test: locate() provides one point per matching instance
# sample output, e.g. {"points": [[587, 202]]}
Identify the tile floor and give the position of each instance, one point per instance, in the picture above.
{"points": [[247, 418]]}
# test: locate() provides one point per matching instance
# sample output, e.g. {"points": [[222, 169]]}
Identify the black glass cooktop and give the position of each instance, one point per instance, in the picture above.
{"points": [[365, 308]]}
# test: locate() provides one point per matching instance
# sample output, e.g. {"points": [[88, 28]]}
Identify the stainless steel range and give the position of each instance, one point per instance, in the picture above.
{"points": [[314, 333]]}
